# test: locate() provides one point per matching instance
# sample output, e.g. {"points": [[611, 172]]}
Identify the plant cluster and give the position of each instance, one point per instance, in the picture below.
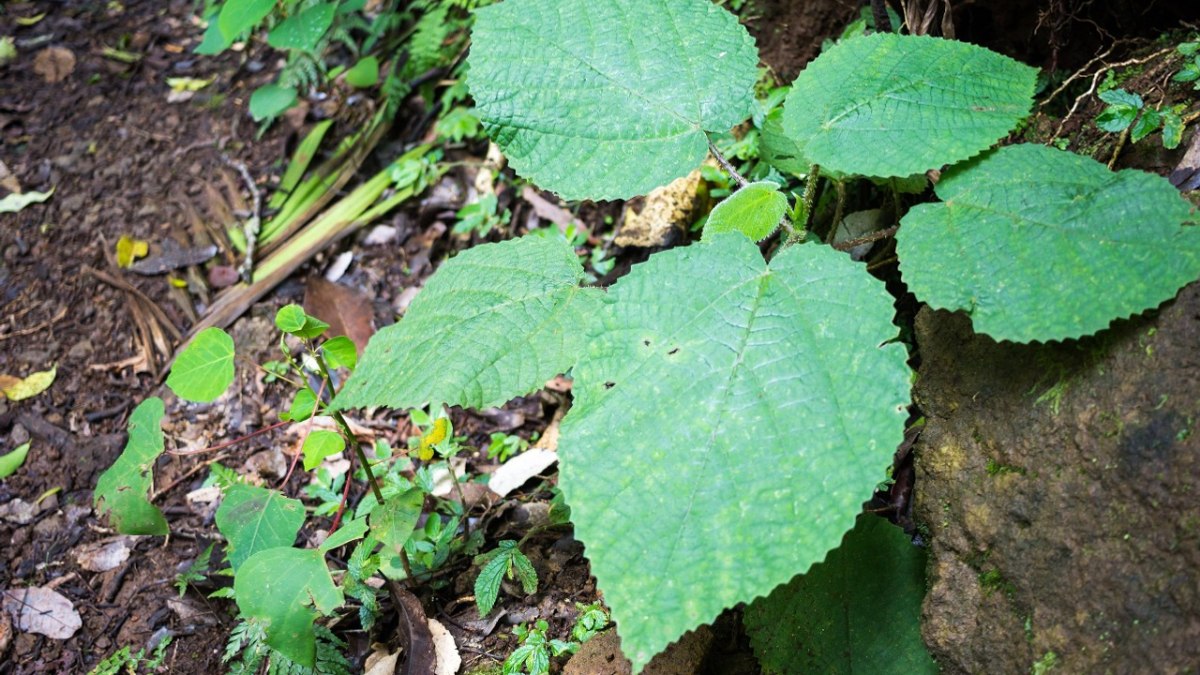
{"points": [[388, 44], [260, 524], [747, 403]]}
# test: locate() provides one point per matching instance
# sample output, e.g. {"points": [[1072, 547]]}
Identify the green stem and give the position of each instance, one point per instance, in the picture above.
{"points": [[351, 440]]}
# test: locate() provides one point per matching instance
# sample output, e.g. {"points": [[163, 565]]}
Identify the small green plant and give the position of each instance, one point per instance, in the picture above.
{"points": [[1126, 110], [505, 561], [534, 655], [196, 572], [314, 35], [501, 446], [481, 217], [125, 661], [592, 619]]}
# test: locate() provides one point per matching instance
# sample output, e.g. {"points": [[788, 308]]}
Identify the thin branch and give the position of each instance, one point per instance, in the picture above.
{"points": [[866, 239], [226, 444], [737, 177], [251, 227]]}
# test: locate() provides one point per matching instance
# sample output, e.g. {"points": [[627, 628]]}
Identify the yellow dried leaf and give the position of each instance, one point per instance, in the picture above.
{"points": [[177, 282], [30, 386], [187, 83], [130, 249]]}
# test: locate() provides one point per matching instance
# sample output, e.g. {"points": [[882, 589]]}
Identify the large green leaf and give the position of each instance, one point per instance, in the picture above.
{"points": [[721, 400], [122, 490], [256, 519], [1039, 244], [894, 105], [280, 587], [494, 323], [857, 612], [609, 99], [204, 368]]}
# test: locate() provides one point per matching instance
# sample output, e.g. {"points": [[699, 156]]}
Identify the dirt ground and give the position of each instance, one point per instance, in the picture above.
{"points": [[122, 160]]}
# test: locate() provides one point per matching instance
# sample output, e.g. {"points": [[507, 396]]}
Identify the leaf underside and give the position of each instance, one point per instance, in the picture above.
{"points": [[255, 519], [858, 611], [1039, 244], [894, 105], [727, 400], [609, 99], [123, 489], [494, 323]]}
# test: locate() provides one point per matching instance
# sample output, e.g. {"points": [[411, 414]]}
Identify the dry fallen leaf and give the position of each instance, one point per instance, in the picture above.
{"points": [[20, 389], [347, 311], [54, 64], [42, 611], [516, 471], [102, 556], [7, 180], [448, 659], [381, 663], [6, 632], [665, 214]]}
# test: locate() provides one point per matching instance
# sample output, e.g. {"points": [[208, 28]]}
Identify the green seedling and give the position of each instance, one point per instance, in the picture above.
{"points": [[124, 660]]}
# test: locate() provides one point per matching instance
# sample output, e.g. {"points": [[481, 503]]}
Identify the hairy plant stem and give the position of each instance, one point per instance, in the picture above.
{"points": [[800, 230], [737, 177]]}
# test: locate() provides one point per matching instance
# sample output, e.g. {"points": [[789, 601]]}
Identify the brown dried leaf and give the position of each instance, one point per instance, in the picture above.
{"points": [[665, 214], [347, 311], [54, 64], [102, 556]]}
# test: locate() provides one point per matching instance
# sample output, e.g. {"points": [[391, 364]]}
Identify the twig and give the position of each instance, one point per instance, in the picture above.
{"points": [[866, 239], [226, 444], [1078, 74], [1096, 79], [252, 225], [62, 311], [188, 474], [737, 177]]}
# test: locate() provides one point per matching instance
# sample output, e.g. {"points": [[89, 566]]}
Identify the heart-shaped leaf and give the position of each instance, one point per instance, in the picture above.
{"points": [[721, 399]]}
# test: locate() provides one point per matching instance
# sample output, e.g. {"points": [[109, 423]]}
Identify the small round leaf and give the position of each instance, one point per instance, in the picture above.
{"points": [[204, 369], [755, 211]]}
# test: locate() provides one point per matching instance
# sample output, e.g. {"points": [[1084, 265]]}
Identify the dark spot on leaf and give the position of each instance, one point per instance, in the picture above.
{"points": [[609, 385], [646, 342], [673, 352]]}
